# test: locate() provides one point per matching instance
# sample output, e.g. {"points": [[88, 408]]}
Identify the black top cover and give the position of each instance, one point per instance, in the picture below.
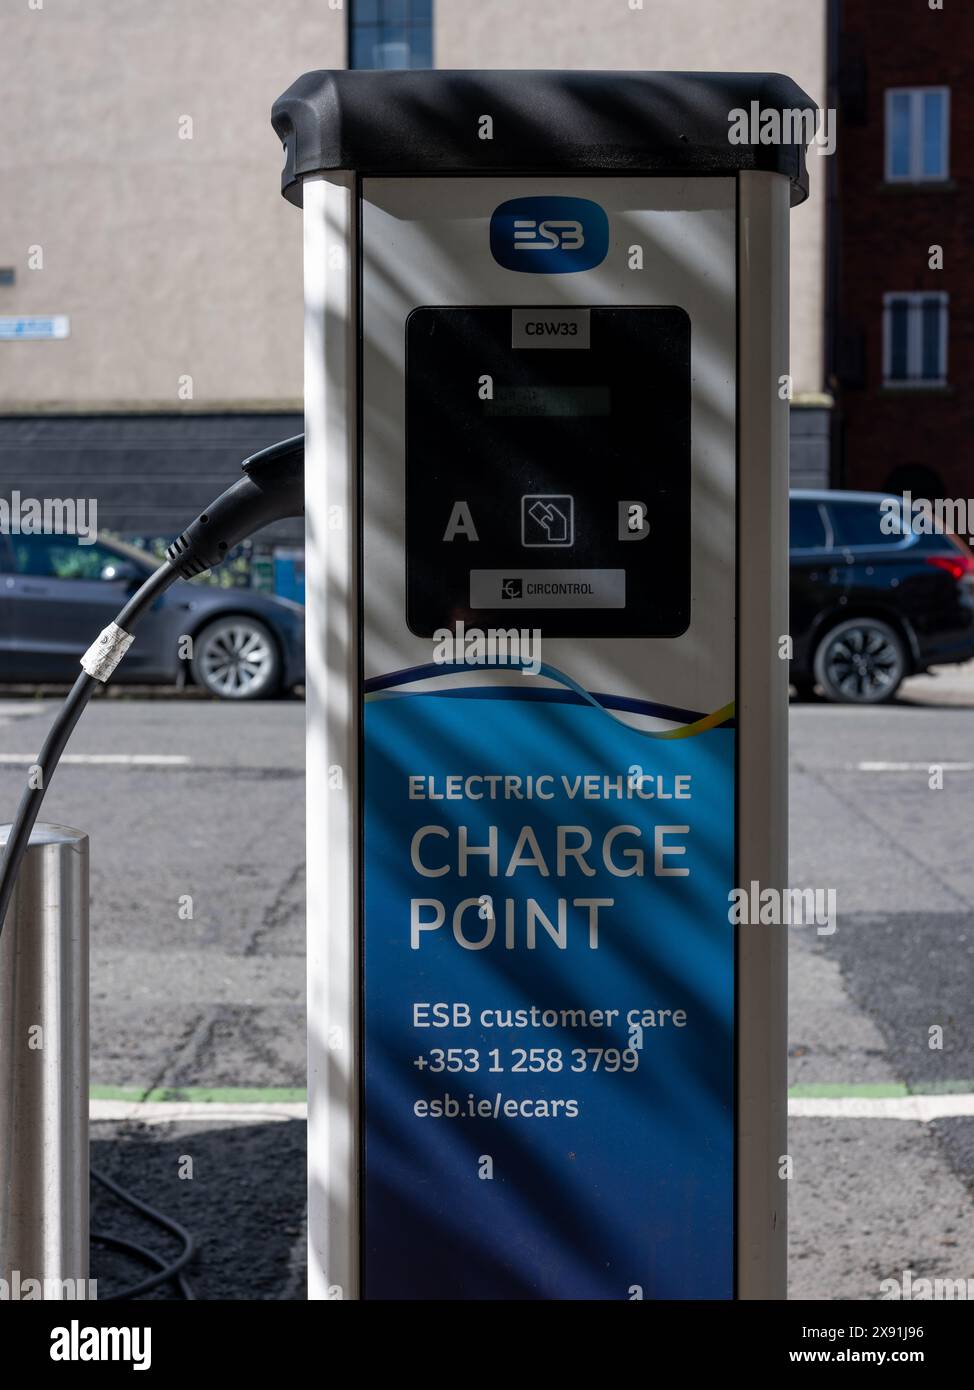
{"points": [[429, 122]]}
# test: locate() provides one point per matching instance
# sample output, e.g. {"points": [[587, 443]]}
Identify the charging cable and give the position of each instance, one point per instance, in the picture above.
{"points": [[271, 489]]}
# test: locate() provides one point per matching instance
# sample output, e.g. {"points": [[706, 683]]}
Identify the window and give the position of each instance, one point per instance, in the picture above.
{"points": [[915, 339], [807, 526], [61, 557], [390, 34], [859, 524], [917, 134]]}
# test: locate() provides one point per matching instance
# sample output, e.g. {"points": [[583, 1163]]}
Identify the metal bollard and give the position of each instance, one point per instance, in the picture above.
{"points": [[44, 1068]]}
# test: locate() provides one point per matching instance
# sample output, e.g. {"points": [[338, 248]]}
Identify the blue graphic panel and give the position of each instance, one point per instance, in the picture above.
{"points": [[548, 1007]]}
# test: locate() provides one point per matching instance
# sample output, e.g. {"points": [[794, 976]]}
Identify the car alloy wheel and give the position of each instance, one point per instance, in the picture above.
{"points": [[237, 659], [861, 662]]}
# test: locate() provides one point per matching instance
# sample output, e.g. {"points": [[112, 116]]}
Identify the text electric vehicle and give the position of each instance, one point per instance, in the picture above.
{"points": [[872, 602]]}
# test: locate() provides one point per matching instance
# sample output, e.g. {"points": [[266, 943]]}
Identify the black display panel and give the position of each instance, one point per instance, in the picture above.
{"points": [[548, 470]]}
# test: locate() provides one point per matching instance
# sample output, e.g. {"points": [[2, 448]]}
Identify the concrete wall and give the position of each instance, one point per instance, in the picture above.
{"points": [[177, 258], [172, 256]]}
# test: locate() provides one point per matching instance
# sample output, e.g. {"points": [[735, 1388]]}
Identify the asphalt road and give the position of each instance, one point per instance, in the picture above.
{"points": [[211, 1003]]}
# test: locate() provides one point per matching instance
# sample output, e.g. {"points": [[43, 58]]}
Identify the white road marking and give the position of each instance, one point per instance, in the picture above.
{"points": [[161, 1112], [120, 759], [923, 1108], [914, 767]]}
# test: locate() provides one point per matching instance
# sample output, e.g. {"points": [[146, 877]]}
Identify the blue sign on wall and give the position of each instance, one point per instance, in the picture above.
{"points": [[549, 1000], [27, 327]]}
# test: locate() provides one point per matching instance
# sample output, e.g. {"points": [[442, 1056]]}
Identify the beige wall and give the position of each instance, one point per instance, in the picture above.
{"points": [[680, 35], [171, 256], [178, 257]]}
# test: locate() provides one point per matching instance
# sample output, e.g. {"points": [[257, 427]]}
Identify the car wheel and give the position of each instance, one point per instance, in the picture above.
{"points": [[862, 661], [237, 658]]}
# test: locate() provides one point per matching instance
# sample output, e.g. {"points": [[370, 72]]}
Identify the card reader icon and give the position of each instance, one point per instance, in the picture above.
{"points": [[547, 520]]}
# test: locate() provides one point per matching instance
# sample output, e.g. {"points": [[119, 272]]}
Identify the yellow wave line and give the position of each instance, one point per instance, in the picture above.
{"points": [[700, 726]]}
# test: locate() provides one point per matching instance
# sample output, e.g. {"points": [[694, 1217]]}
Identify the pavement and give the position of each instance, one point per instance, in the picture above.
{"points": [[872, 1198], [196, 815]]}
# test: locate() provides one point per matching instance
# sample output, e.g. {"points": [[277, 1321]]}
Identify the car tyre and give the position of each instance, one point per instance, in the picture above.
{"points": [[861, 661], [237, 658]]}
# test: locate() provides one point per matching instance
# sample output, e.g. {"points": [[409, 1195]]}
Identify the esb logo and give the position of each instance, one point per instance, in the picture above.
{"points": [[549, 236]]}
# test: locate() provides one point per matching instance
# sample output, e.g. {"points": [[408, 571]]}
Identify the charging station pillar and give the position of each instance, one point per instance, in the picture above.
{"points": [[547, 578]]}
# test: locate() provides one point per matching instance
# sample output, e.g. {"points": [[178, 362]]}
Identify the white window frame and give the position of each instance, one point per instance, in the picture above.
{"points": [[915, 173], [915, 300]]}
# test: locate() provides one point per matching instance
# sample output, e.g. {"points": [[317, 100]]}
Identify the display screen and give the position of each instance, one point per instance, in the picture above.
{"points": [[564, 499], [578, 401]]}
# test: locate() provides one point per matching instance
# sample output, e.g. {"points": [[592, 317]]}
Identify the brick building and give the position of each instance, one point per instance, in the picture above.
{"points": [[901, 226]]}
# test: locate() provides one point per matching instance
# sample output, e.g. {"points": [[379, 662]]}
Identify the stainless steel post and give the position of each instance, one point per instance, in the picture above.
{"points": [[44, 1064]]}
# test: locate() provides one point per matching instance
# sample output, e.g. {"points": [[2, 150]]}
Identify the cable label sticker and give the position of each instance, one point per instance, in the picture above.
{"points": [[106, 652]]}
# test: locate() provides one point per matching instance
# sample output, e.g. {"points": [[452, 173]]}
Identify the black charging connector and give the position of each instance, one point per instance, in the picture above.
{"points": [[273, 489]]}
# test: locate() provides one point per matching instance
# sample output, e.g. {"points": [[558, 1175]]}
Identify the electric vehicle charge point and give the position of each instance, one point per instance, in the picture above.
{"points": [[546, 321]]}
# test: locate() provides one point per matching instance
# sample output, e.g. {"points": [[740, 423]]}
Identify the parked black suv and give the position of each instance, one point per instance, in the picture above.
{"points": [[871, 605]]}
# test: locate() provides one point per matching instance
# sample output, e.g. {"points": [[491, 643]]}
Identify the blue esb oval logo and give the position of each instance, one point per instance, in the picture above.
{"points": [[549, 235]]}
